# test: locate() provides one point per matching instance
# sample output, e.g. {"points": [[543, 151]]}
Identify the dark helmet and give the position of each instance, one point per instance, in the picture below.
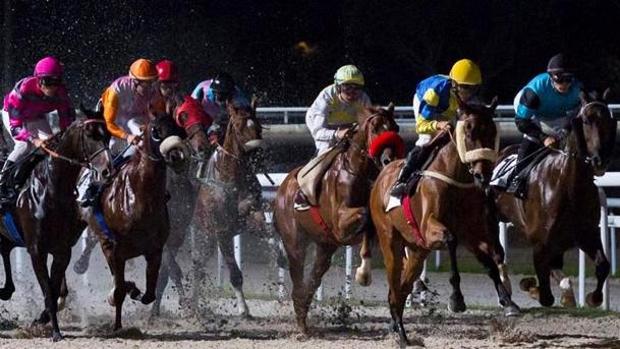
{"points": [[223, 84], [560, 65]]}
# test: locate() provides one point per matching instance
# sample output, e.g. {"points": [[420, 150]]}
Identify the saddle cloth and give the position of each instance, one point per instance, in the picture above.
{"points": [[503, 171], [309, 175]]}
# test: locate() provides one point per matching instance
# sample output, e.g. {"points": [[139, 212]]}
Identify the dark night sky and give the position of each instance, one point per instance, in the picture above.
{"points": [[396, 43]]}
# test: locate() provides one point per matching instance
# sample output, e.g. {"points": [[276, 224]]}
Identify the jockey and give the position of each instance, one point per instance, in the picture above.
{"points": [[214, 94], [336, 108], [544, 109], [434, 105], [126, 102], [168, 84], [24, 115]]}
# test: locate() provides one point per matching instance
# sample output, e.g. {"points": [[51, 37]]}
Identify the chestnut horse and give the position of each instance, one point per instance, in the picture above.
{"points": [[343, 208], [46, 210], [449, 204], [562, 207], [133, 218], [181, 205], [229, 199]]}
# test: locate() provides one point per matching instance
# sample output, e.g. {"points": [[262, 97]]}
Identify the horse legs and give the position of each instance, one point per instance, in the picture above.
{"points": [[5, 249], [393, 258], [566, 285], [594, 249], [225, 243], [119, 292], [456, 303], [81, 265], [153, 262], [50, 293], [363, 274], [484, 257], [321, 264], [296, 258], [541, 264]]}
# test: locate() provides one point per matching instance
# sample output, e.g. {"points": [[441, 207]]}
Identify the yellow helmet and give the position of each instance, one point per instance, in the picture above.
{"points": [[349, 74], [143, 69], [466, 72]]}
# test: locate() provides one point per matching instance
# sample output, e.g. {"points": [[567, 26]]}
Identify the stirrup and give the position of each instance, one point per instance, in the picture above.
{"points": [[301, 202]]}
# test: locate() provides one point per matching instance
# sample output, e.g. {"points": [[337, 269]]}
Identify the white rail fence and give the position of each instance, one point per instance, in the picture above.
{"points": [[292, 115]]}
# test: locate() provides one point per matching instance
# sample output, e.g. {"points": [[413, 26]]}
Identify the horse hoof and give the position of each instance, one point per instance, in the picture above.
{"points": [[6, 293], [527, 283], [147, 298], [568, 299], [456, 304], [57, 336], [135, 295], [546, 301], [594, 299], [80, 267], [512, 310], [363, 279]]}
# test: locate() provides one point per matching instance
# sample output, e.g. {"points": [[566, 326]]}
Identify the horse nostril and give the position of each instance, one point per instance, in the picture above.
{"points": [[105, 173]]}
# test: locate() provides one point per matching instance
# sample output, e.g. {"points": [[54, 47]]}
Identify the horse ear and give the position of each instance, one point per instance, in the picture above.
{"points": [[494, 103], [585, 99], [607, 94], [390, 108], [254, 102]]}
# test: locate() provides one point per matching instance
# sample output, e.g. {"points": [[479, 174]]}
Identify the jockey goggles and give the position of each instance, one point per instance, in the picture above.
{"points": [[350, 87], [50, 81], [562, 78]]}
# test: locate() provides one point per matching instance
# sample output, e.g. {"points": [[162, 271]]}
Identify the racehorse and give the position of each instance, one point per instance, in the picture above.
{"points": [[229, 198], [561, 209], [182, 198], [46, 211], [341, 217], [131, 218], [449, 204]]}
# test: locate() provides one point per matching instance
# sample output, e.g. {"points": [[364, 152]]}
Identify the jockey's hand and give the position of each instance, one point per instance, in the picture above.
{"points": [[340, 133], [132, 139], [37, 142], [550, 142], [443, 125]]}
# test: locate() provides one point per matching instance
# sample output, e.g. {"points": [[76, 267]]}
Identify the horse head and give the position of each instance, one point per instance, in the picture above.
{"points": [[377, 135], [244, 138], [87, 142], [595, 129], [477, 139], [163, 140], [191, 116]]}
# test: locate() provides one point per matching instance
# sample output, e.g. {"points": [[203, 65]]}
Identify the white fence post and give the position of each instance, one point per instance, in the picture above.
{"points": [[348, 272], [238, 250], [604, 242], [503, 240]]}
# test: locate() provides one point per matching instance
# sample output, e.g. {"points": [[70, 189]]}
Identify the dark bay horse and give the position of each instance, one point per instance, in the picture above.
{"points": [[449, 204], [342, 208], [133, 208], [229, 199], [562, 206], [46, 210]]}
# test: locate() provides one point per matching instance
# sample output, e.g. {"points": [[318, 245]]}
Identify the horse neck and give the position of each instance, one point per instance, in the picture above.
{"points": [[447, 162], [151, 172], [61, 174], [574, 162], [356, 155]]}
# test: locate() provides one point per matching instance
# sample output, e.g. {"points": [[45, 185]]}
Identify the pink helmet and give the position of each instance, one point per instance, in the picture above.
{"points": [[48, 66]]}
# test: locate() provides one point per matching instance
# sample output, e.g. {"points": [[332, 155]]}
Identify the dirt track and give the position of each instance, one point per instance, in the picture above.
{"points": [[362, 323]]}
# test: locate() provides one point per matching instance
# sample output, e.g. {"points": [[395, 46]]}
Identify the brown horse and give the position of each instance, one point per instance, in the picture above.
{"points": [[229, 198], [562, 206], [181, 205], [449, 204], [133, 219], [343, 208], [46, 211]]}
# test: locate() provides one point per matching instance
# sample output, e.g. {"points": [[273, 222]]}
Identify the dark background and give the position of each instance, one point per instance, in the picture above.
{"points": [[287, 51]]}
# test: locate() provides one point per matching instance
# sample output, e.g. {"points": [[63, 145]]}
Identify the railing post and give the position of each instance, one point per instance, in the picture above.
{"points": [[503, 240], [605, 242], [348, 272]]}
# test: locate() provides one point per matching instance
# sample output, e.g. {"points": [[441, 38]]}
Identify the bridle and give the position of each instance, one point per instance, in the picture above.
{"points": [[85, 159]]}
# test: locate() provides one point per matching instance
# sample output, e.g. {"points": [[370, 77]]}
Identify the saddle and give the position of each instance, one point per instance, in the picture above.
{"points": [[505, 179], [310, 175]]}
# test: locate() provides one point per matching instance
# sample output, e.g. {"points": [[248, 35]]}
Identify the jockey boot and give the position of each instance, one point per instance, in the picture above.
{"points": [[411, 165], [23, 171], [7, 190]]}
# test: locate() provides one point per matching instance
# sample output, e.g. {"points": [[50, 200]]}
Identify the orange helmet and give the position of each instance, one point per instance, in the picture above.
{"points": [[143, 69]]}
